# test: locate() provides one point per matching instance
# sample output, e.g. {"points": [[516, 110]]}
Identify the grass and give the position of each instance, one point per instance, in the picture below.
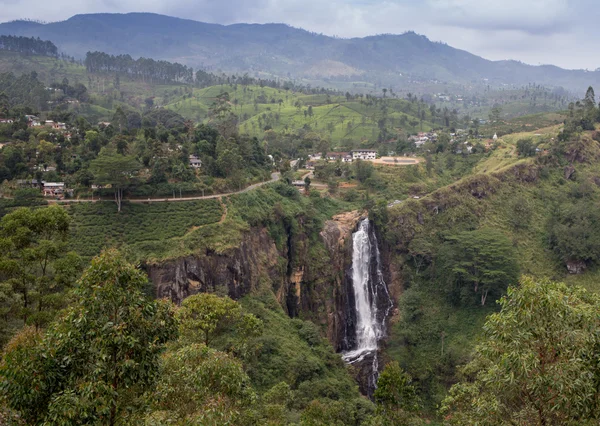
{"points": [[347, 122], [98, 225]]}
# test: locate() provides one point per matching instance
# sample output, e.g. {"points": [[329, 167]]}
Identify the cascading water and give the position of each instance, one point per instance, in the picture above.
{"points": [[372, 300]]}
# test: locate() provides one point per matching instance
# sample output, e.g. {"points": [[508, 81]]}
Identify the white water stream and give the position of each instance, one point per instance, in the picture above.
{"points": [[370, 326]]}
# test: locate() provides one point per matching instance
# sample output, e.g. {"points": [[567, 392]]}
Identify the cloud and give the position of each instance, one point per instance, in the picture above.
{"points": [[563, 32]]}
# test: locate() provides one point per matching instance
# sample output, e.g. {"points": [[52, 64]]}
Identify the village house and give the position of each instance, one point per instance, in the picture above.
{"points": [[310, 165], [33, 121], [55, 125], [343, 156], [53, 189], [364, 154], [195, 162]]}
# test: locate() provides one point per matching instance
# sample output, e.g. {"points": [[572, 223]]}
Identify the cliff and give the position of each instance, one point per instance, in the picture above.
{"points": [[307, 273], [310, 274], [235, 272]]}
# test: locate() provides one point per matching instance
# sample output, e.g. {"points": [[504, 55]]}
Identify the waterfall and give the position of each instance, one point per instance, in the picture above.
{"points": [[372, 300]]}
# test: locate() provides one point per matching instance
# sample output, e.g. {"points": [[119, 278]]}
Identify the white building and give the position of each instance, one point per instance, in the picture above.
{"points": [[364, 154], [195, 162]]}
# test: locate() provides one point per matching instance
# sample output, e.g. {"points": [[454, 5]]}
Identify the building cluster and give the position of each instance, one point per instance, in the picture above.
{"points": [[34, 121], [49, 189], [422, 138], [344, 157]]}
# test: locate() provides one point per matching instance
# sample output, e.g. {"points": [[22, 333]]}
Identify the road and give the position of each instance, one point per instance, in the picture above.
{"points": [[274, 178]]}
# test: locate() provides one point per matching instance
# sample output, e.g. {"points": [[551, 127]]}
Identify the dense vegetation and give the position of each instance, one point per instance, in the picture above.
{"points": [[532, 215], [32, 46], [404, 62], [145, 69], [461, 227]]}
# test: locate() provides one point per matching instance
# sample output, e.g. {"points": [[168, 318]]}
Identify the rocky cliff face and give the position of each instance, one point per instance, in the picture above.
{"points": [[234, 273], [309, 274]]}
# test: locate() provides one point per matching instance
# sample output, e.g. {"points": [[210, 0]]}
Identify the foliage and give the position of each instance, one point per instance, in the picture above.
{"points": [[118, 171], [537, 363], [28, 45], [200, 385], [477, 263], [394, 390], [92, 364], [35, 264], [526, 148], [142, 68], [206, 316], [575, 232]]}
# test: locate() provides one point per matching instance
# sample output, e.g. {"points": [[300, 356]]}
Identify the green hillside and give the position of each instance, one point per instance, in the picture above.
{"points": [[531, 203]]}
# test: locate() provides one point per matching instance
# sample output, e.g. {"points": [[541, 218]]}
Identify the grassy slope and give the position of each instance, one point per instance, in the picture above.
{"points": [[351, 121], [508, 191], [260, 106]]}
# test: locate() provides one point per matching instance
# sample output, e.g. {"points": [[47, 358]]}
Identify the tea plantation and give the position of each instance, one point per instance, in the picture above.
{"points": [[98, 225]]}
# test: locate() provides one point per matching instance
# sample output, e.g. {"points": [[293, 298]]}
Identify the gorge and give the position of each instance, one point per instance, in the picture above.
{"points": [[344, 291]]}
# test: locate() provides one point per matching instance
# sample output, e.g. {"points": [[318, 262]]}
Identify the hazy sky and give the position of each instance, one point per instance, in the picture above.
{"points": [[561, 32]]}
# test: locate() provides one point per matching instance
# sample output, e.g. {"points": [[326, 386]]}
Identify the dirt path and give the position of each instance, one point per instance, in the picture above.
{"points": [[274, 178]]}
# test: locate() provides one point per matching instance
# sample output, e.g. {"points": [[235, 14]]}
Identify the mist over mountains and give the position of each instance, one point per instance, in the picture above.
{"points": [[278, 50]]}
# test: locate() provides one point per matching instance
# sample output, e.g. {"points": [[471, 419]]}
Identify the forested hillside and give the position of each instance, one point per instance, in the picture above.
{"points": [[404, 62], [124, 302]]}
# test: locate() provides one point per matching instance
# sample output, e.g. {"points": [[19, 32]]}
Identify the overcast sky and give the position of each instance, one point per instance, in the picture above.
{"points": [[560, 32]]}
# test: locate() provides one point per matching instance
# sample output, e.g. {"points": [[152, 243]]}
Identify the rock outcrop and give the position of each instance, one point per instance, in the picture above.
{"points": [[234, 273], [310, 274]]}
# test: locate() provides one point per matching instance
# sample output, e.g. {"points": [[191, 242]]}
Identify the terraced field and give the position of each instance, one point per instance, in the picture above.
{"points": [[98, 225]]}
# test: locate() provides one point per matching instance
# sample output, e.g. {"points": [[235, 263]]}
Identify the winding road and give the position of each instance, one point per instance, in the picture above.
{"points": [[274, 178]]}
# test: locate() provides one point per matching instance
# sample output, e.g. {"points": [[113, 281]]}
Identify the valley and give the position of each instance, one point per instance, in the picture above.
{"points": [[189, 246]]}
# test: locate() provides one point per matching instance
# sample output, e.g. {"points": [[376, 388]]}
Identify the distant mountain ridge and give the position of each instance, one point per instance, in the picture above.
{"points": [[283, 51]]}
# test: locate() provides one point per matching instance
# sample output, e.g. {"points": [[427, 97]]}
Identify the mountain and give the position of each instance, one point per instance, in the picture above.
{"points": [[283, 51]]}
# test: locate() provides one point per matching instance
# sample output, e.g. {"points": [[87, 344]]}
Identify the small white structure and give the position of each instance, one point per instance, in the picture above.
{"points": [[495, 136], [343, 156], [364, 154], [195, 162]]}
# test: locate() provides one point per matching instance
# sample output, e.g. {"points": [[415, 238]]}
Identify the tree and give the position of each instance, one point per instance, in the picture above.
{"points": [[204, 317], [526, 148], [199, 385], [91, 365], [495, 113], [589, 103], [575, 233], [35, 263], [364, 170], [537, 364], [307, 183], [477, 263], [111, 168], [395, 396]]}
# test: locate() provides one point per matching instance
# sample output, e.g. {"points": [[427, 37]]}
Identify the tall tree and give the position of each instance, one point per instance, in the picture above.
{"points": [[537, 363], [91, 365], [119, 171], [477, 263], [35, 263]]}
